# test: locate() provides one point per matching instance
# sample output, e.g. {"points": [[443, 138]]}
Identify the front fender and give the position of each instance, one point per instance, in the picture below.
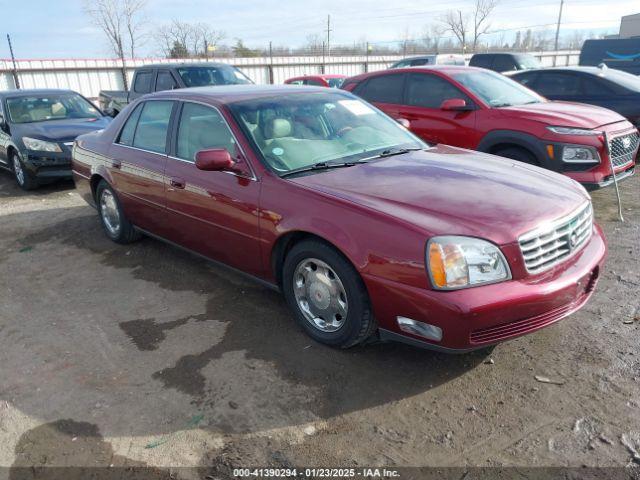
{"points": [[520, 139]]}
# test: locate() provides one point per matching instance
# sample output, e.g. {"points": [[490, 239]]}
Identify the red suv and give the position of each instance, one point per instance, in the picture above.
{"points": [[482, 110]]}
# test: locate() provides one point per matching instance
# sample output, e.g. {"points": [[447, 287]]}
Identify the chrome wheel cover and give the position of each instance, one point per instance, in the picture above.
{"points": [[17, 170], [320, 295], [109, 212]]}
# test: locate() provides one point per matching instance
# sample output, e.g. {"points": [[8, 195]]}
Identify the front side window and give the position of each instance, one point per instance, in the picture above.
{"points": [[153, 124], [142, 83], [212, 75], [42, 108], [429, 91], [383, 89], [202, 128], [503, 63], [165, 81], [495, 89], [300, 130], [527, 62], [314, 82]]}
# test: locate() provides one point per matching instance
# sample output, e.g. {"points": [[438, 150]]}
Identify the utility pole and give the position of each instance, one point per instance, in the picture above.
{"points": [[558, 31], [16, 80], [270, 63], [329, 35]]}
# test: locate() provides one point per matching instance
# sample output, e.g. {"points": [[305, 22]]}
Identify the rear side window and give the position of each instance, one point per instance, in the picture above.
{"points": [[504, 63], [592, 86], [558, 83], [129, 129], [419, 61], [165, 81], [317, 83], [429, 91], [153, 124], [383, 89], [143, 82]]}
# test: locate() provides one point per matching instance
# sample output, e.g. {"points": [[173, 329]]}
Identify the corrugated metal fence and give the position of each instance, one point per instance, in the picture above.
{"points": [[89, 76]]}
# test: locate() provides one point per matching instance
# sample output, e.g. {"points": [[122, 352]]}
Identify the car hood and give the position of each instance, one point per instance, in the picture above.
{"points": [[59, 130], [564, 114], [447, 190]]}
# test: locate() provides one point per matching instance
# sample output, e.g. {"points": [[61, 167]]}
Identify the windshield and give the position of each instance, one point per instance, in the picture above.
{"points": [[335, 82], [527, 62], [300, 130], [41, 108], [212, 75], [495, 89], [624, 79]]}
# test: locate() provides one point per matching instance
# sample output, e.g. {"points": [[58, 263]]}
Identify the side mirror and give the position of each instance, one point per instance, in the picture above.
{"points": [[214, 160], [455, 105], [404, 122]]}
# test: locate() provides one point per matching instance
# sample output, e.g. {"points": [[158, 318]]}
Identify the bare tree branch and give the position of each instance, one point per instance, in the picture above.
{"points": [[482, 11], [457, 23], [118, 20]]}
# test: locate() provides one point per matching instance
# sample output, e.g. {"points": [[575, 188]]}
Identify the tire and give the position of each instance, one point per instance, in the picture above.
{"points": [[24, 178], [114, 222], [517, 153], [338, 311]]}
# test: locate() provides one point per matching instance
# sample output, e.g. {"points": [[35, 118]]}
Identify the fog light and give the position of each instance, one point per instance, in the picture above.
{"points": [[420, 328]]}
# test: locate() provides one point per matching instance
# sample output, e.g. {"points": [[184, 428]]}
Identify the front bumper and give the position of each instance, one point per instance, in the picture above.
{"points": [[478, 317], [48, 164]]}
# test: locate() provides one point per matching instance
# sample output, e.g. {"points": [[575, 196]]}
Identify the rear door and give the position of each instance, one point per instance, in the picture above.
{"points": [[139, 157], [424, 93], [212, 213]]}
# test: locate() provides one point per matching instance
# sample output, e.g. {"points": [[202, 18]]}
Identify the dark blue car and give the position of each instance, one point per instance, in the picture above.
{"points": [[37, 130], [605, 87]]}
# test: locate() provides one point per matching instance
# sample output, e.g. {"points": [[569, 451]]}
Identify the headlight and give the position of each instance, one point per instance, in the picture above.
{"points": [[460, 262], [40, 145], [573, 131], [580, 155]]}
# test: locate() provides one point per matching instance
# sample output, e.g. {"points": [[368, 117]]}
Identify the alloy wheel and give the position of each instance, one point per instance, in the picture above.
{"points": [[109, 212]]}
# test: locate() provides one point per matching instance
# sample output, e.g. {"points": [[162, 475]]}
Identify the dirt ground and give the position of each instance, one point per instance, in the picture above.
{"points": [[144, 355]]}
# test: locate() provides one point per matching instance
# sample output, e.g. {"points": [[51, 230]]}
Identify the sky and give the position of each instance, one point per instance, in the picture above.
{"points": [[60, 29]]}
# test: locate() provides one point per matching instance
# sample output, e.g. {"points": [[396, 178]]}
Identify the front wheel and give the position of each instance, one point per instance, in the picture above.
{"points": [[327, 295], [518, 153], [114, 222], [24, 178]]}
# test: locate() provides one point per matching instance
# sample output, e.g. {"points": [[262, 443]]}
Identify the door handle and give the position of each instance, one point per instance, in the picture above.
{"points": [[177, 183], [116, 164]]}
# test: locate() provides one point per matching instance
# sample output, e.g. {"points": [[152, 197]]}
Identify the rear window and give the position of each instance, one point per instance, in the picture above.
{"points": [[212, 75], [383, 89]]}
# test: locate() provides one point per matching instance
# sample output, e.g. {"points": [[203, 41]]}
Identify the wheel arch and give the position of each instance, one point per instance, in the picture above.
{"points": [[285, 242], [500, 139]]}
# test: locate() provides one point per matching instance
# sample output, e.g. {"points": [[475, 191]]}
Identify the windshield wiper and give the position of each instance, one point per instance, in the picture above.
{"points": [[318, 166], [389, 152]]}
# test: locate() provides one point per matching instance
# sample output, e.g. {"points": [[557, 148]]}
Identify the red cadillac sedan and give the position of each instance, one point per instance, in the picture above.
{"points": [[366, 229]]}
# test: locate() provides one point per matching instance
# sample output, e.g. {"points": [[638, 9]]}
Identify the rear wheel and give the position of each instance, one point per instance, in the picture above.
{"points": [[114, 222], [518, 153], [327, 295], [24, 178]]}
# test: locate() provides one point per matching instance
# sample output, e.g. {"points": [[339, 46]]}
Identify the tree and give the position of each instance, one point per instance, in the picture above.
{"points": [[481, 13], [242, 51], [192, 38], [457, 23], [120, 21]]}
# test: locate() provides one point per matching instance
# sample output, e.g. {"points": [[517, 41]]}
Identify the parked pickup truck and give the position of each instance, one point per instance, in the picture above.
{"points": [[154, 78]]}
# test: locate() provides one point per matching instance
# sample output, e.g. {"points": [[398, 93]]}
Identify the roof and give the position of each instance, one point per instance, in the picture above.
{"points": [[585, 69], [502, 53], [184, 64], [232, 93], [446, 69], [33, 91]]}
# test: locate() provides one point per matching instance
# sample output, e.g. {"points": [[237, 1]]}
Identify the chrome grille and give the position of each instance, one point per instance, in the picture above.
{"points": [[550, 244], [623, 148]]}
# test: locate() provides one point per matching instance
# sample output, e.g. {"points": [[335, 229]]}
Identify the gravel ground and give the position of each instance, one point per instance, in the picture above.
{"points": [[144, 355]]}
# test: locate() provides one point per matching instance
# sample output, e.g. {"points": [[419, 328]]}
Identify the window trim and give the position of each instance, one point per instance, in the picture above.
{"points": [[174, 139]]}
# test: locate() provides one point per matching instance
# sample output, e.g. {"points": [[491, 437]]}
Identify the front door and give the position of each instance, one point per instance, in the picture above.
{"points": [[424, 94], [212, 213]]}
